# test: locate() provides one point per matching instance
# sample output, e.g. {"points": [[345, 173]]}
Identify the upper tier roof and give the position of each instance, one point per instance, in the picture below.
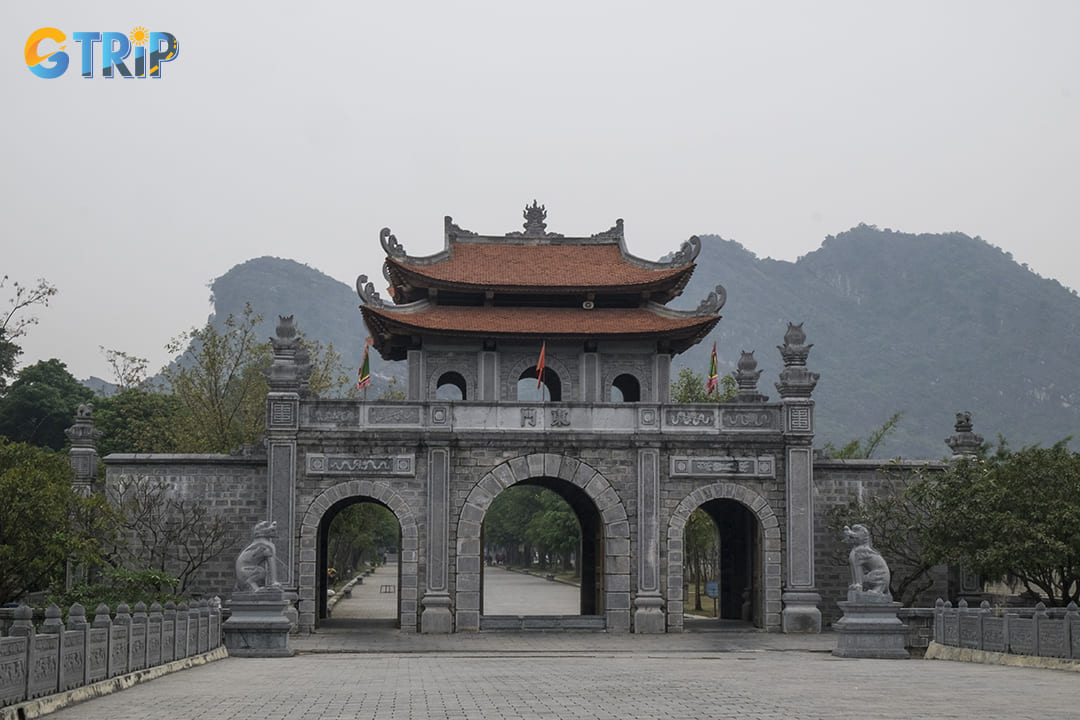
{"points": [[392, 327], [535, 262]]}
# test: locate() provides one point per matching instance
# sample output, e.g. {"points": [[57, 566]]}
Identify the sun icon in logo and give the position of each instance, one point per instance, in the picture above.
{"points": [[139, 36]]}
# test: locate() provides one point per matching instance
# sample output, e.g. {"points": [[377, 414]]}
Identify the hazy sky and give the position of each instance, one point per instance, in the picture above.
{"points": [[300, 129]]}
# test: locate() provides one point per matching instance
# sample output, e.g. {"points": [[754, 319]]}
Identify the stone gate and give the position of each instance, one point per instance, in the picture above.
{"points": [[539, 359]]}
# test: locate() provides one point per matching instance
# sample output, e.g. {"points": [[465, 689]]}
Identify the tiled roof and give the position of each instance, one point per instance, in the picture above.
{"points": [[546, 322], [559, 267]]}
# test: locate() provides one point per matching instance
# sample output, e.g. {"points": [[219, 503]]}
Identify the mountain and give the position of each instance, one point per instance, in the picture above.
{"points": [[925, 324], [325, 309]]}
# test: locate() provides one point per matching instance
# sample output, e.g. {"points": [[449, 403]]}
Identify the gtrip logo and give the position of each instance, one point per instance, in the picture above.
{"points": [[46, 58]]}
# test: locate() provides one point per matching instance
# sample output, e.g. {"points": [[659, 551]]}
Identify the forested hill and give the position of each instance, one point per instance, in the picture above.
{"points": [[926, 324]]}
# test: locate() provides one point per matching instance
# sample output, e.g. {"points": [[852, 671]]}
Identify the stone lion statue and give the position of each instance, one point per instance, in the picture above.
{"points": [[869, 571], [256, 566]]}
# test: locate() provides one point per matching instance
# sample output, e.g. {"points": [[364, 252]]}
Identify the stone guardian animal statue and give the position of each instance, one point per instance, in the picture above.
{"points": [[869, 572], [256, 566]]}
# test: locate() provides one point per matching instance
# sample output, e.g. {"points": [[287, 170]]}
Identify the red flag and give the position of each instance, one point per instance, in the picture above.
{"points": [[713, 380], [540, 364]]}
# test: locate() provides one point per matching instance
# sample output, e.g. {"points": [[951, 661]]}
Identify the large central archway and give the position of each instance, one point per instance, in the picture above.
{"points": [[605, 532], [578, 541]]}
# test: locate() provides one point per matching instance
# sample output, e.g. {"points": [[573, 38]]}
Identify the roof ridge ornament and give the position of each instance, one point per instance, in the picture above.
{"points": [[367, 292], [712, 302], [390, 244], [452, 230], [688, 252], [534, 225], [615, 232]]}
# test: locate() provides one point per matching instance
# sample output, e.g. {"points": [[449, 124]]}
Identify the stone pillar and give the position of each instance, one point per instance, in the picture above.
{"points": [[648, 604], [663, 378], [487, 385], [436, 616], [746, 379], [417, 390], [83, 456], [590, 378], [282, 425], [800, 598], [964, 443]]}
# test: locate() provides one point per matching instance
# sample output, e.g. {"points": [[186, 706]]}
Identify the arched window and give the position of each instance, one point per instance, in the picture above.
{"points": [[625, 388], [450, 386], [550, 389]]}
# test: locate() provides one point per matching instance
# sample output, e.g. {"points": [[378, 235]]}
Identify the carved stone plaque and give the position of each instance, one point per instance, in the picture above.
{"points": [[691, 418], [335, 415], [723, 466], [320, 464], [394, 415], [282, 413], [763, 419], [799, 419]]}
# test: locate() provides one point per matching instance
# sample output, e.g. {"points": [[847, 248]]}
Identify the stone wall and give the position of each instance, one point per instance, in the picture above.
{"points": [[837, 483], [232, 487]]}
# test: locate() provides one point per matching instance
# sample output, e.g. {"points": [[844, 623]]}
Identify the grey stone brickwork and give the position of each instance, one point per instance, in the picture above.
{"points": [[837, 483]]}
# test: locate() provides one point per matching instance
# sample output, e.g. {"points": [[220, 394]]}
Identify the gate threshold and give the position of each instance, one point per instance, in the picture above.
{"points": [[595, 623]]}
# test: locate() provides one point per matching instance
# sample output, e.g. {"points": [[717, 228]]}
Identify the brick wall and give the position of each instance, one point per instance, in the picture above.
{"points": [[837, 483]]}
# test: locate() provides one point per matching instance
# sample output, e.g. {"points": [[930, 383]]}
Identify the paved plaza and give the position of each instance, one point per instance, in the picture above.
{"points": [[367, 670]]}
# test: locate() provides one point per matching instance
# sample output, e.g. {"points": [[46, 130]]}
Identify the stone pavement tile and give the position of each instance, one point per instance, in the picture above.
{"points": [[793, 685]]}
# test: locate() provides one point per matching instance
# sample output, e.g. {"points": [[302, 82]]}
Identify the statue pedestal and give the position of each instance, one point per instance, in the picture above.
{"points": [[259, 626], [869, 628]]}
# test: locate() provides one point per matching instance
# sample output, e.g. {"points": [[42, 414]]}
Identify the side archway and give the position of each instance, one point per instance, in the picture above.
{"points": [[769, 564], [615, 530], [380, 492]]}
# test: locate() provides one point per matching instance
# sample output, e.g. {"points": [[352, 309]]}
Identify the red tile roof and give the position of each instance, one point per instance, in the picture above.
{"points": [[544, 322], [548, 266]]}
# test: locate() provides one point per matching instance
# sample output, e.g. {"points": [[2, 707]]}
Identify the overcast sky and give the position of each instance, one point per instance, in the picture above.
{"points": [[300, 129]]}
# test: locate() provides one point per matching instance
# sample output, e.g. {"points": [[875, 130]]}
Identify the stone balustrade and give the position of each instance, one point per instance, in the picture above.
{"points": [[60, 657], [568, 417], [1034, 631]]}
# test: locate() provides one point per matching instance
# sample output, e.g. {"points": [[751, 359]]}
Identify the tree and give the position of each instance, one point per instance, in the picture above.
{"points": [[554, 530], [15, 321], [1012, 513], [219, 384], [859, 449], [129, 371], [39, 532], [506, 521], [689, 387], [702, 546], [358, 533], [163, 531], [137, 421], [898, 518], [41, 404]]}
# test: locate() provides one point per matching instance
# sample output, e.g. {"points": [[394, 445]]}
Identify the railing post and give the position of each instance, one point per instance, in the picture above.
{"points": [[1036, 625], [76, 622], [1072, 641]]}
